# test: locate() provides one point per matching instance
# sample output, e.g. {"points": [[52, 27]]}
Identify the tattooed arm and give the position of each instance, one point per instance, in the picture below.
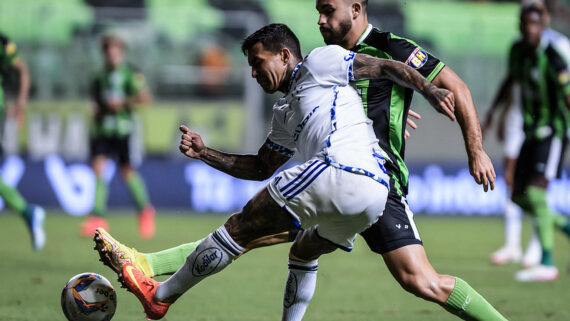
{"points": [[368, 67], [251, 167]]}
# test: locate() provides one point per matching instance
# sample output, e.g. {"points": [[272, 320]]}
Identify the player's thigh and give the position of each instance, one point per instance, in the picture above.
{"points": [[395, 228], [409, 261], [122, 148], [525, 167], [308, 245], [260, 217]]}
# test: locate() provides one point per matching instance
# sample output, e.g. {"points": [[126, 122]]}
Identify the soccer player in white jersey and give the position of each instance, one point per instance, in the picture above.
{"points": [[321, 117], [510, 131]]}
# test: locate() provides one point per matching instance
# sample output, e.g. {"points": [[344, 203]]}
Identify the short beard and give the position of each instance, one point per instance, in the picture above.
{"points": [[336, 37]]}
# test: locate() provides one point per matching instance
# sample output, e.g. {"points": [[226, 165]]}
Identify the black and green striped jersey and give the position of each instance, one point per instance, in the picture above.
{"points": [[387, 103], [120, 84], [8, 56], [545, 81]]}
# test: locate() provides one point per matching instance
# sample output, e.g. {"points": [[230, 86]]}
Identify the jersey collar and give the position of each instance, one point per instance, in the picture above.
{"points": [[364, 35], [293, 75]]}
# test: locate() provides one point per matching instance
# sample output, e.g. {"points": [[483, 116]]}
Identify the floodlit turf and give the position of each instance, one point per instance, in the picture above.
{"points": [[351, 286]]}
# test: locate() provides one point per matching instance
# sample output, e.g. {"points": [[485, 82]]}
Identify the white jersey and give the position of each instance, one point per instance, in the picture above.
{"points": [[322, 116]]}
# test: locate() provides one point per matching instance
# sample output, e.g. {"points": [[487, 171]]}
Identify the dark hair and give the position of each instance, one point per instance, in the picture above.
{"points": [[531, 9], [363, 3], [273, 37], [112, 38]]}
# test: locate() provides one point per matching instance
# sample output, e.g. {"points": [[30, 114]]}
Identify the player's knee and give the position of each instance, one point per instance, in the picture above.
{"points": [[420, 285]]}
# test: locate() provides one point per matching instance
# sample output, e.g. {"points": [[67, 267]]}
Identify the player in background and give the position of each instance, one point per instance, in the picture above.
{"points": [[33, 215], [453, 294], [511, 134], [116, 91], [542, 70], [510, 131]]}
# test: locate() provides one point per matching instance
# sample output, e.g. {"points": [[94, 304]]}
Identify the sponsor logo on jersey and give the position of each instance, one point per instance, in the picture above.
{"points": [[207, 261], [302, 124], [417, 59], [290, 291]]}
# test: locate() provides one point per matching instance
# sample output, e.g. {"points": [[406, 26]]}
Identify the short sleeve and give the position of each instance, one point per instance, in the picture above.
{"points": [[413, 55], [560, 66], [279, 139], [331, 65]]}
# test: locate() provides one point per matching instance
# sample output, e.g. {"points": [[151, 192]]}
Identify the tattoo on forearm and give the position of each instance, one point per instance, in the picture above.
{"points": [[248, 167], [251, 167], [368, 67]]}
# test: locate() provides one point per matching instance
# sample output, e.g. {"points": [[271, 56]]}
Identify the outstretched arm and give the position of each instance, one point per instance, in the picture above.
{"points": [[251, 167], [480, 165], [368, 67]]}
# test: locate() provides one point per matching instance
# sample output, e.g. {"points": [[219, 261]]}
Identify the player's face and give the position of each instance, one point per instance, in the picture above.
{"points": [[266, 67], [334, 20], [531, 29], [114, 54]]}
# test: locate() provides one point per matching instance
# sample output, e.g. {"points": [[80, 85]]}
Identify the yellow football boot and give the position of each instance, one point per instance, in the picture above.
{"points": [[115, 254]]}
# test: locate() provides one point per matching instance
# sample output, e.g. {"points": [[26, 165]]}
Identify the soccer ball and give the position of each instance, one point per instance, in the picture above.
{"points": [[88, 297]]}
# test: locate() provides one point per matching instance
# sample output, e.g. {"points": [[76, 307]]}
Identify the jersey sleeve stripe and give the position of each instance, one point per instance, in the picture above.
{"points": [[278, 148], [435, 71]]}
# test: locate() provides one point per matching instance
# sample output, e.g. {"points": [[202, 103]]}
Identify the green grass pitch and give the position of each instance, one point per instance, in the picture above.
{"points": [[351, 286]]}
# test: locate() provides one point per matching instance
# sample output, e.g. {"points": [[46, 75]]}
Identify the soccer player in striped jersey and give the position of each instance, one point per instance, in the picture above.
{"points": [[116, 90], [320, 116], [510, 131], [344, 22], [542, 69], [33, 215]]}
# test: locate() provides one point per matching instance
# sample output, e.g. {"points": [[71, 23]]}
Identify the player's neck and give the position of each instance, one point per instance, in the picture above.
{"points": [[358, 28], [286, 81]]}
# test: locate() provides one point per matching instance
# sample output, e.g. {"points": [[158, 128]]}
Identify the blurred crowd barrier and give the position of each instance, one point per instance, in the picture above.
{"points": [[192, 186]]}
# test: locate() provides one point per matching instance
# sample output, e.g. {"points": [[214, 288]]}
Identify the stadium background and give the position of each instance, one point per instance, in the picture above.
{"points": [[189, 52]]}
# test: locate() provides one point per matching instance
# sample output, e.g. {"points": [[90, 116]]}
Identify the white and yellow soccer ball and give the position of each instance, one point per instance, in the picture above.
{"points": [[88, 297]]}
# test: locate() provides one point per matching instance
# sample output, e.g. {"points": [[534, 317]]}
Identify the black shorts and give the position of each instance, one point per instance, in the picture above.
{"points": [[395, 228], [112, 147], [542, 157]]}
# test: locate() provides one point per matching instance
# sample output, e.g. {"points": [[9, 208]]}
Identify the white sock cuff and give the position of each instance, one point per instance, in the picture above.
{"points": [[223, 239], [304, 266]]}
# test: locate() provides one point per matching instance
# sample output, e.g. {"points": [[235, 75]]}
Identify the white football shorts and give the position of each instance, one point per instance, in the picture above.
{"points": [[338, 202]]}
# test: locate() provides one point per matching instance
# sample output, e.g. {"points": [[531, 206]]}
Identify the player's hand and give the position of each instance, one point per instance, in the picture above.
{"points": [[191, 144], [442, 100], [481, 168], [411, 123]]}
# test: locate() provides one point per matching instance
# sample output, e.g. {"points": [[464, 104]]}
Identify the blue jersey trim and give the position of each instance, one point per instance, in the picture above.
{"points": [[356, 170], [278, 148]]}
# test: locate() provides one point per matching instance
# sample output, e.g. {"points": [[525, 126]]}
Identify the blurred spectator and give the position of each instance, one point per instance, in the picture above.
{"points": [[216, 68]]}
